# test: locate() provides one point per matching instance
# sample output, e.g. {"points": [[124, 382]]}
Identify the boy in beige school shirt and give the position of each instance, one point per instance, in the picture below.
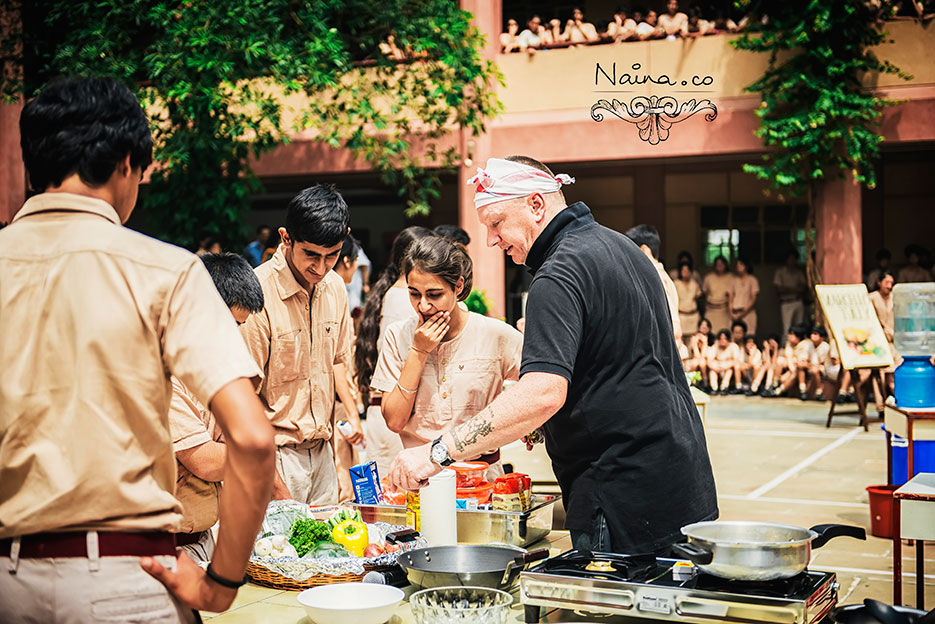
{"points": [[301, 340]]}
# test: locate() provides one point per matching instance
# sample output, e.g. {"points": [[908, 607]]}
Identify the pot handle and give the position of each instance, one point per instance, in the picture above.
{"points": [[884, 613], [514, 567], [694, 553], [828, 531]]}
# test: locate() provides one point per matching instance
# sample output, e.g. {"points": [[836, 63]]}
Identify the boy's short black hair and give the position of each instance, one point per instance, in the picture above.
{"points": [[820, 331], [742, 324], [645, 235], [799, 331], [350, 248], [454, 233], [318, 215], [235, 280], [724, 333], [84, 126]]}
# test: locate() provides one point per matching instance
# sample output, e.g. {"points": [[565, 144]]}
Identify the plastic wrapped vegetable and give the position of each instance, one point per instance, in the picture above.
{"points": [[352, 535], [307, 533], [274, 546], [345, 513], [328, 550]]}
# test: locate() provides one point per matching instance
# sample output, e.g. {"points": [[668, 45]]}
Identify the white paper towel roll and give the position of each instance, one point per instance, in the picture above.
{"points": [[439, 515]]}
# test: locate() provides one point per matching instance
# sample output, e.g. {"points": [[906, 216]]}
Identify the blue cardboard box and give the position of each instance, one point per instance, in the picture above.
{"points": [[366, 481]]}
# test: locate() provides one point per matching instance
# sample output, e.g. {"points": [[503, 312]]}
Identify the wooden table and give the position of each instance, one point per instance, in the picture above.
{"points": [[913, 518], [909, 424]]}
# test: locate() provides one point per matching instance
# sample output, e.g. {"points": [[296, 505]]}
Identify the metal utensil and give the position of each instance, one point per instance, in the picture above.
{"points": [[756, 551], [496, 567], [874, 612]]}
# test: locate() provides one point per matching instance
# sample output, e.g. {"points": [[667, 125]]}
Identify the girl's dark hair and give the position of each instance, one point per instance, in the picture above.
{"points": [[722, 259], [884, 274], [365, 356], [746, 263], [724, 333], [443, 258], [685, 264]]}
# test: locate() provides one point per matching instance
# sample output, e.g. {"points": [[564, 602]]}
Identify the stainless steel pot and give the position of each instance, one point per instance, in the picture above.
{"points": [[756, 551], [476, 565]]}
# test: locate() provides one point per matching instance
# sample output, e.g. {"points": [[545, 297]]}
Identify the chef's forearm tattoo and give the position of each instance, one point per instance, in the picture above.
{"points": [[478, 427]]}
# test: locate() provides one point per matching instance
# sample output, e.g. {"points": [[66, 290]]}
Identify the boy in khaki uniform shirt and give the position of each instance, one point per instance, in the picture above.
{"points": [[301, 340], [96, 318], [196, 438]]}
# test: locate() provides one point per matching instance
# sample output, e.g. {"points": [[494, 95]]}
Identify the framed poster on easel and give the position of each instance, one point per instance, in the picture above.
{"points": [[857, 334]]}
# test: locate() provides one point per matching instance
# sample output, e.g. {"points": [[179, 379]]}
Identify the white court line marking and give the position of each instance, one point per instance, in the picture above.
{"points": [[850, 590], [763, 489], [761, 432], [906, 573], [793, 501]]}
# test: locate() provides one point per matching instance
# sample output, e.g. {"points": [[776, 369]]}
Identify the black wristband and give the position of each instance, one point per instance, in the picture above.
{"points": [[223, 582]]}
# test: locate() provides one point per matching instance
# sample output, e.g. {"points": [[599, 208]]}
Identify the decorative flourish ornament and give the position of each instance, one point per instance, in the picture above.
{"points": [[653, 115]]}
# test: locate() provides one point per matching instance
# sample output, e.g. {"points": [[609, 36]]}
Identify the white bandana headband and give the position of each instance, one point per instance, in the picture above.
{"points": [[505, 179]]}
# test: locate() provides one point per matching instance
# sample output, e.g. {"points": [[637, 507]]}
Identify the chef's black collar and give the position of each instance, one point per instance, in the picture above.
{"points": [[570, 218]]}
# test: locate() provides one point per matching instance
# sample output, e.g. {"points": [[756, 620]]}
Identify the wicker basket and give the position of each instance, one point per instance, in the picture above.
{"points": [[267, 578]]}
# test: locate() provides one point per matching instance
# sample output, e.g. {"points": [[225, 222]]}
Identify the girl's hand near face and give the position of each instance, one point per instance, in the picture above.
{"points": [[431, 332]]}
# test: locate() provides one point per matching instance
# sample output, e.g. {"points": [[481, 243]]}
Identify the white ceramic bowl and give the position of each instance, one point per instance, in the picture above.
{"points": [[351, 603]]}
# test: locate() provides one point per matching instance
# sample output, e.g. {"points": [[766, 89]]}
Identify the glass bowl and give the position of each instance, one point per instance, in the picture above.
{"points": [[451, 605]]}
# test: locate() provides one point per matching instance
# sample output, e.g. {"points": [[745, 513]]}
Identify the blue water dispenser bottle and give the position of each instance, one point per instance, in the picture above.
{"points": [[914, 338]]}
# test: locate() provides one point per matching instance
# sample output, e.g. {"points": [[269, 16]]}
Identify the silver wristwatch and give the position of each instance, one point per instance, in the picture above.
{"points": [[439, 453]]}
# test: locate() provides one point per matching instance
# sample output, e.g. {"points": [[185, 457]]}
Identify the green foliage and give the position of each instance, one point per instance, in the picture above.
{"points": [[815, 115], [478, 302], [215, 76]]}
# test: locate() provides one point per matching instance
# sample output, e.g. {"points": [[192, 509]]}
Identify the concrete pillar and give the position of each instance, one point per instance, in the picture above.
{"points": [[649, 199], [488, 262], [12, 170], [838, 228]]}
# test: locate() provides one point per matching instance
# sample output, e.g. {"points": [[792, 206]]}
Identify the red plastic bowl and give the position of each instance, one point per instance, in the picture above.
{"points": [[481, 492], [470, 473]]}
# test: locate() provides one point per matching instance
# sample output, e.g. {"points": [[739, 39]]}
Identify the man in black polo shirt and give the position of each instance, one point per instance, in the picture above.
{"points": [[600, 371]]}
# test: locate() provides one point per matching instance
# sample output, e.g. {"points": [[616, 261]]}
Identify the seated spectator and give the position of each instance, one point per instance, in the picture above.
{"points": [[623, 28], [698, 350], [531, 37], [883, 258], [697, 25], [723, 363], [389, 49], [821, 359], [673, 22], [208, 244], [577, 30], [508, 39], [800, 367], [738, 332], [648, 27], [724, 23], [912, 272], [751, 363], [774, 362]]}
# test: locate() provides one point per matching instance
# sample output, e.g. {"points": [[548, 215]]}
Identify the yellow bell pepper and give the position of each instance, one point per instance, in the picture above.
{"points": [[352, 535]]}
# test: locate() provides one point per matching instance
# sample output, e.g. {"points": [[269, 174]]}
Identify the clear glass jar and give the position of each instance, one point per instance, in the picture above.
{"points": [[914, 319]]}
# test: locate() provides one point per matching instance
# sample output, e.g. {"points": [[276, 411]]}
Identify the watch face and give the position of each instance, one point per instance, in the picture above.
{"points": [[439, 452]]}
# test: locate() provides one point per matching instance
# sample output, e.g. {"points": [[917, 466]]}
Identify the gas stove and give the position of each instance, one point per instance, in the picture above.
{"points": [[643, 586]]}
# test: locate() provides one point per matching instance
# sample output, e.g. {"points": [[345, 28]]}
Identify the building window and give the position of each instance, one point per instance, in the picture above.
{"points": [[721, 243], [760, 233]]}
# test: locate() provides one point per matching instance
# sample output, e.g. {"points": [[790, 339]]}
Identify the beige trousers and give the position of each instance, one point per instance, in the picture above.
{"points": [[309, 472], [345, 456], [382, 444], [79, 590]]}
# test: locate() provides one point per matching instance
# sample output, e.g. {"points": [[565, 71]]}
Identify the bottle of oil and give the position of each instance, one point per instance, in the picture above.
{"points": [[413, 510]]}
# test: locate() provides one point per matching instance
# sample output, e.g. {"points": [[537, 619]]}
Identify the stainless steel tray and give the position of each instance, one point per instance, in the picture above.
{"points": [[477, 526]]}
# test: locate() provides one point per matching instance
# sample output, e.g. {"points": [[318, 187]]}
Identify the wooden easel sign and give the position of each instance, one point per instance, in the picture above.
{"points": [[854, 325]]}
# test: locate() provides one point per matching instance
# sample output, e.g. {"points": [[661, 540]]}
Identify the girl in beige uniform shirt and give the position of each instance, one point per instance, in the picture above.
{"points": [[716, 289], [388, 303], [440, 369]]}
